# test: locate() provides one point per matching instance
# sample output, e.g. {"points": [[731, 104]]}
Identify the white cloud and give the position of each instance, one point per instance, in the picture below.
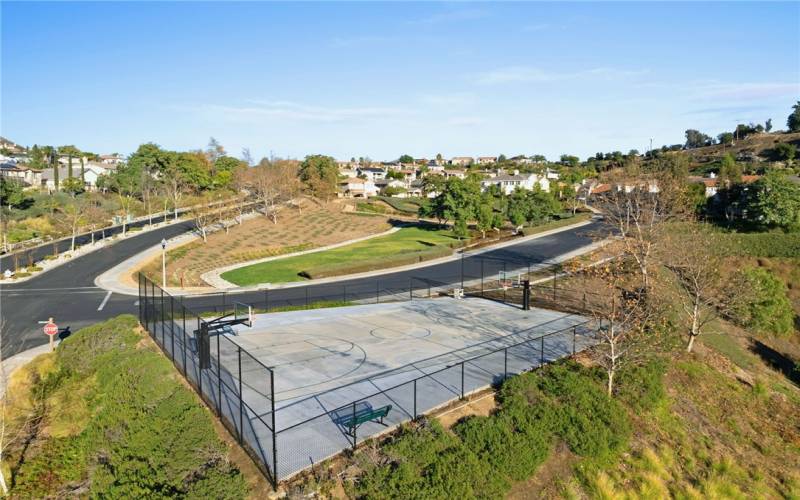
{"points": [[532, 28], [450, 99], [465, 121], [452, 16], [749, 91], [520, 74], [258, 109]]}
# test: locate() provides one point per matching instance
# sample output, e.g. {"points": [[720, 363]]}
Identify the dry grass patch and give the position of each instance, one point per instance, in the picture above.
{"points": [[296, 230]]}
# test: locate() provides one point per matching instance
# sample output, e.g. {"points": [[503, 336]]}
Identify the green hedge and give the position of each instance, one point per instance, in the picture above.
{"points": [[566, 220], [771, 244], [325, 271], [407, 205]]}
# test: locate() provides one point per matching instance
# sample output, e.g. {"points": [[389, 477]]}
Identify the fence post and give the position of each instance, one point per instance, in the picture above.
{"points": [[163, 318], [554, 283], [481, 277], [411, 288], [266, 300], [504, 280], [505, 363], [219, 379], [344, 293], [415, 399], [462, 269], [185, 345], [462, 380], [574, 334], [224, 305], [241, 410], [584, 301], [172, 328], [541, 355], [355, 428], [274, 432], [377, 292], [306, 297], [140, 299]]}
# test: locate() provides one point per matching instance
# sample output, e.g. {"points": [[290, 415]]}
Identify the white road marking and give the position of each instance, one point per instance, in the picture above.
{"points": [[103, 304]]}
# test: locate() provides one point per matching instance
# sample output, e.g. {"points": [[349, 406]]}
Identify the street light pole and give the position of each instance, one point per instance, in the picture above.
{"points": [[164, 263]]}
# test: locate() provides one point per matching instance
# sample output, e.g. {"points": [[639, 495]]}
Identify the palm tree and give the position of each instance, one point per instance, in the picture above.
{"points": [[50, 153], [70, 152]]}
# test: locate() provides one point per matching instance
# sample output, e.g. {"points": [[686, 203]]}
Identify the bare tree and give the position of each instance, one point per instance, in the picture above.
{"points": [[241, 183], [73, 215], [204, 216], [625, 334], [175, 186], [699, 286], [637, 210], [273, 185]]}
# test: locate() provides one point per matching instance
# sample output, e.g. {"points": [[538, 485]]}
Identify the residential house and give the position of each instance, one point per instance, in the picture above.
{"points": [[355, 187], [510, 182], [461, 161], [522, 160], [27, 176], [460, 174], [113, 159], [487, 160], [372, 173], [90, 176]]}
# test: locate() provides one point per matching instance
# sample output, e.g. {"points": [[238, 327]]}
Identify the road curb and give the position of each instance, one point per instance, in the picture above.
{"points": [[17, 361], [108, 283]]}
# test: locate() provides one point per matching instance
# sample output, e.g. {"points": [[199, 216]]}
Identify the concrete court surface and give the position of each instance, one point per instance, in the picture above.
{"points": [[331, 363], [325, 359]]}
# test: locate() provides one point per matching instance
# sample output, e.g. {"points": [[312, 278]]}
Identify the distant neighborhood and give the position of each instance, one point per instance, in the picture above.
{"points": [[15, 163]]}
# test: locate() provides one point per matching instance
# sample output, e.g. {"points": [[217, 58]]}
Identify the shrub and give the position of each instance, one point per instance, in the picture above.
{"points": [[429, 463], [121, 426], [764, 306], [511, 449], [642, 386], [772, 244], [571, 401]]}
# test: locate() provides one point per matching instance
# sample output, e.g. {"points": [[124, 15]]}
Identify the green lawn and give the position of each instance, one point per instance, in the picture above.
{"points": [[405, 246]]}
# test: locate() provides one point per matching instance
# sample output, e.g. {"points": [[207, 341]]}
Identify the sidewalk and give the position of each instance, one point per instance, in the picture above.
{"points": [[18, 360], [113, 279]]}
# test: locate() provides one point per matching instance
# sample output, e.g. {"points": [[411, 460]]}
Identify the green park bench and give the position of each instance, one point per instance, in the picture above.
{"points": [[351, 422]]}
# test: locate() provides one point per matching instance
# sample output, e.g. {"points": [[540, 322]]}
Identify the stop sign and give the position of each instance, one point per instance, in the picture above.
{"points": [[51, 329]]}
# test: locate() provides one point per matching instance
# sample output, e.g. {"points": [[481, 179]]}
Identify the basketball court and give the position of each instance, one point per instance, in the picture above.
{"points": [[326, 358]]}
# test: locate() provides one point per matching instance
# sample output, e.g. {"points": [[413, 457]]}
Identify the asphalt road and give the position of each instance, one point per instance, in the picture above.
{"points": [[68, 293]]}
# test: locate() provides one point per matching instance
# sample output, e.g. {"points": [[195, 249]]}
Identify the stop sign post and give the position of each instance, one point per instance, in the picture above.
{"points": [[51, 329]]}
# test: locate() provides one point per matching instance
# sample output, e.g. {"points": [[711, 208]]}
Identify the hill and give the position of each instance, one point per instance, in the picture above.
{"points": [[755, 148], [107, 415]]}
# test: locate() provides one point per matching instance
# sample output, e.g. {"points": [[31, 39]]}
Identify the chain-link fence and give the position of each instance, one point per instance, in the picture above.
{"points": [[284, 441], [237, 386]]}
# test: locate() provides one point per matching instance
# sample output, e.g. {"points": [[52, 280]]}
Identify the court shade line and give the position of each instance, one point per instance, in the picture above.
{"points": [[103, 304]]}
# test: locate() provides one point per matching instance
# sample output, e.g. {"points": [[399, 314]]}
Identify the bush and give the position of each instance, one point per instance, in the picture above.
{"points": [[642, 386], [120, 425], [765, 306], [429, 463], [569, 399], [773, 244], [511, 449]]}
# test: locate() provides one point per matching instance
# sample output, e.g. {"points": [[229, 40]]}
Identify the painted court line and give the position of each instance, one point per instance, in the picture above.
{"points": [[103, 304]]}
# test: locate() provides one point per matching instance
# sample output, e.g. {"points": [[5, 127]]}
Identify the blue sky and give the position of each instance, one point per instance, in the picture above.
{"points": [[384, 79]]}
